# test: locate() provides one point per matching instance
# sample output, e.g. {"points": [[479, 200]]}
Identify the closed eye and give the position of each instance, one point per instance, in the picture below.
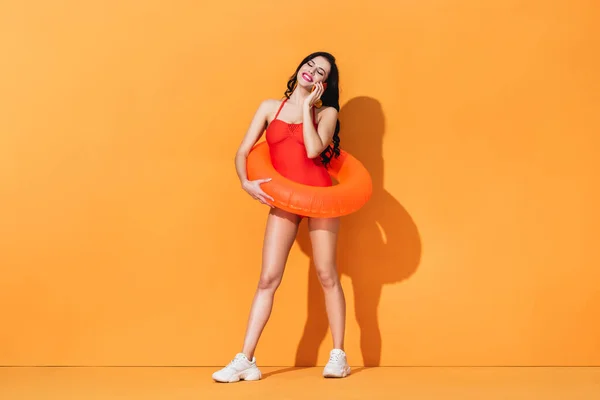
{"points": [[320, 71]]}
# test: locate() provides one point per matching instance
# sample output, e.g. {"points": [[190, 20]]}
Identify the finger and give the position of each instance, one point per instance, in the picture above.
{"points": [[319, 91], [265, 202], [263, 180], [269, 204], [256, 196], [263, 194], [316, 92]]}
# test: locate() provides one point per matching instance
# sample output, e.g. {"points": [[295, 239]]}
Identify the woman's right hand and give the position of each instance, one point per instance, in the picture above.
{"points": [[253, 188]]}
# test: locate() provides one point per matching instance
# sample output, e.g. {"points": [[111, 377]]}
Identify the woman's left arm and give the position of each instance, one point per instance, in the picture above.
{"points": [[317, 140]]}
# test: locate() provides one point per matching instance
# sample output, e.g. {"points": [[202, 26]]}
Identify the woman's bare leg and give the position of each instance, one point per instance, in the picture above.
{"points": [[323, 235], [279, 237]]}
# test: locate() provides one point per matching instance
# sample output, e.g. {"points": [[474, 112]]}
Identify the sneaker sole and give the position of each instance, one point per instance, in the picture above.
{"points": [[329, 374], [242, 376]]}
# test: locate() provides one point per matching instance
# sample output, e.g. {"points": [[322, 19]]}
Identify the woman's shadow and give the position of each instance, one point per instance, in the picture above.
{"points": [[377, 245]]}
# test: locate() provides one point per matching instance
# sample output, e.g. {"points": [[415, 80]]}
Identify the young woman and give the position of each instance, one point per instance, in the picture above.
{"points": [[302, 133]]}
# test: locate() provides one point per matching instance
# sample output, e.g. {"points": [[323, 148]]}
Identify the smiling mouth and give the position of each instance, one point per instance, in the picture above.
{"points": [[307, 77]]}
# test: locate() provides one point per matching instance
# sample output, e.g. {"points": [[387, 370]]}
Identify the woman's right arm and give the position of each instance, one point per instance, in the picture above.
{"points": [[254, 132]]}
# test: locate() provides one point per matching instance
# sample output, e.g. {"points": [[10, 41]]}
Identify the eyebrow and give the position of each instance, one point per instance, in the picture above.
{"points": [[321, 68]]}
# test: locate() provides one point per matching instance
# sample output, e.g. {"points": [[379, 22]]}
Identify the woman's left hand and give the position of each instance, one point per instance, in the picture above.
{"points": [[314, 95]]}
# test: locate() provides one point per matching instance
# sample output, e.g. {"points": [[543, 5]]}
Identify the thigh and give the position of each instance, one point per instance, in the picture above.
{"points": [[324, 236], [280, 233]]}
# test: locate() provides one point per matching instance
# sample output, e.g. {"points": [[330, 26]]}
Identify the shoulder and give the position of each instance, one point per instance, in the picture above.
{"points": [[269, 104], [268, 107], [327, 113]]}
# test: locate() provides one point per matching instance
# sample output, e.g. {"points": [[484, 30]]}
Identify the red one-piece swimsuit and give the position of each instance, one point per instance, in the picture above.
{"points": [[288, 154]]}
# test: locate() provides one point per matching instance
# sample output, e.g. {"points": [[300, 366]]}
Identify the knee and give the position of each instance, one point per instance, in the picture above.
{"points": [[328, 277], [269, 282]]}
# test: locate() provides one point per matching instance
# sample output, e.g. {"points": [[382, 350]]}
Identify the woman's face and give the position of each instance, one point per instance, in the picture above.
{"points": [[313, 71]]}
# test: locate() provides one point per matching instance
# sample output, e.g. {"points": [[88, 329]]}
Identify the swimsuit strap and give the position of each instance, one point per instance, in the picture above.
{"points": [[280, 107]]}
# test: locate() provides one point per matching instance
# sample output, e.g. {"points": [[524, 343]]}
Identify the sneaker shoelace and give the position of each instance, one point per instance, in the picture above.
{"points": [[235, 362], [335, 357]]}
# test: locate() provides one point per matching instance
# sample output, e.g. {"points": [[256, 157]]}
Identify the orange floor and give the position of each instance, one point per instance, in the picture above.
{"points": [[172, 383]]}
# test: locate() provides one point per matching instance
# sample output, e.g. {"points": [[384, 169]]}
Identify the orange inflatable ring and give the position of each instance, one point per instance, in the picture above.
{"points": [[353, 190]]}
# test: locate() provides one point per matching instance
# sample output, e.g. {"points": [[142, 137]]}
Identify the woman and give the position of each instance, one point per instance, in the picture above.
{"points": [[303, 137]]}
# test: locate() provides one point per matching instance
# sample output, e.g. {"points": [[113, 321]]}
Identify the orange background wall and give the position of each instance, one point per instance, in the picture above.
{"points": [[125, 238]]}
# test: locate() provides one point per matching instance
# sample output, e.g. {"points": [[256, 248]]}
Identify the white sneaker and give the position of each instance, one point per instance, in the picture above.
{"points": [[337, 367], [240, 368]]}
